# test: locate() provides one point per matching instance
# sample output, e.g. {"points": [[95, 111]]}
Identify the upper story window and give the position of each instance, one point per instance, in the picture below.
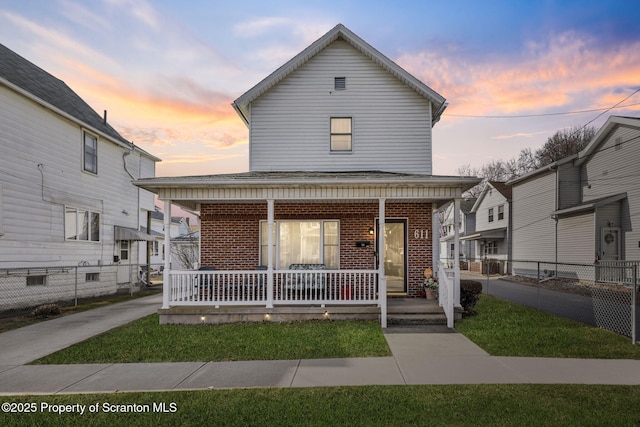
{"points": [[490, 214], [341, 134], [90, 153], [81, 225], [500, 212], [340, 83]]}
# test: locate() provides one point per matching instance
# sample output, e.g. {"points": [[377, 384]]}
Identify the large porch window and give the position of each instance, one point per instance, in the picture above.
{"points": [[302, 242]]}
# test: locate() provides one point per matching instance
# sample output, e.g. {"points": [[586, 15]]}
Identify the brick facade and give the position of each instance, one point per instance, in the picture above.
{"points": [[231, 233]]}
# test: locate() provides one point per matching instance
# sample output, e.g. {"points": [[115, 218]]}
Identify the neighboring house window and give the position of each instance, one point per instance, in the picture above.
{"points": [[340, 83], [90, 157], [500, 212], [341, 134], [491, 248], [490, 214], [124, 250], [36, 280], [154, 248], [81, 225], [92, 277], [302, 242]]}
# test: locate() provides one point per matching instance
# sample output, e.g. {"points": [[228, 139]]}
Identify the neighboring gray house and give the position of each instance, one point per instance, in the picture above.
{"points": [[66, 197], [584, 208], [491, 238], [447, 232]]}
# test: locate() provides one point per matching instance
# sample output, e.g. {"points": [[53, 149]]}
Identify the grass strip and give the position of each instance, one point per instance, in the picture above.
{"points": [[145, 340], [504, 328], [448, 405]]}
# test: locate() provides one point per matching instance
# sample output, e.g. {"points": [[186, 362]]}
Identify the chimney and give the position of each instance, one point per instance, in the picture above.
{"points": [[105, 117]]}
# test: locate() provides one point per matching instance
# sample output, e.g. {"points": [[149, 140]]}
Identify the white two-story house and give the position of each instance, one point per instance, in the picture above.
{"points": [[467, 226], [492, 236], [338, 205], [66, 193]]}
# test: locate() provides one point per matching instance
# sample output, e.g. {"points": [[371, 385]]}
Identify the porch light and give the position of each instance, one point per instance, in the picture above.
{"points": [[371, 231], [202, 318], [267, 316], [326, 314]]}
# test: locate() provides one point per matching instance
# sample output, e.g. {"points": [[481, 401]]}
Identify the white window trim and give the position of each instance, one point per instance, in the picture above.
{"points": [[89, 231], [276, 241], [331, 150], [84, 164]]}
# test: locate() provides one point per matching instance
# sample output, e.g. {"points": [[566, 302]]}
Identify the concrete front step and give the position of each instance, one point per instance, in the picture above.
{"points": [[417, 319]]}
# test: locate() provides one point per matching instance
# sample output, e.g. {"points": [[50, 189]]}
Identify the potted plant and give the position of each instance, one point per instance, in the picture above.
{"points": [[430, 286]]}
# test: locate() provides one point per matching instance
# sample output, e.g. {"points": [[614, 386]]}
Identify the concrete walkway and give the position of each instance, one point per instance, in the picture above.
{"points": [[421, 355]]}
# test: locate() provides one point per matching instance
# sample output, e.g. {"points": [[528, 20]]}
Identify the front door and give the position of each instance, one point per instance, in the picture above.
{"points": [[395, 259], [610, 243]]}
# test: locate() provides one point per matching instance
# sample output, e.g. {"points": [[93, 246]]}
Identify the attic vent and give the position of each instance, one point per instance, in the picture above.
{"points": [[618, 143], [340, 83]]}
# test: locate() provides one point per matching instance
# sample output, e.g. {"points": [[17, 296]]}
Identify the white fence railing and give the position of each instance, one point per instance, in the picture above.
{"points": [[286, 287], [446, 293]]}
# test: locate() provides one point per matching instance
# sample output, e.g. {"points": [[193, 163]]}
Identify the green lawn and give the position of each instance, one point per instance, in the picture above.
{"points": [[452, 405], [503, 328], [145, 340]]}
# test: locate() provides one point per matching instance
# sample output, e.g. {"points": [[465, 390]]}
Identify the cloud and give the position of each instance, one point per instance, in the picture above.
{"points": [[568, 71], [260, 26], [519, 135]]}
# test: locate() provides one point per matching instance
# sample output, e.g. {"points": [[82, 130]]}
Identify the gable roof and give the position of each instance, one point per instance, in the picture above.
{"points": [[600, 137], [500, 186], [33, 82], [341, 32]]}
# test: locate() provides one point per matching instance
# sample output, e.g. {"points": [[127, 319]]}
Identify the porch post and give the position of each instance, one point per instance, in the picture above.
{"points": [[435, 238], [456, 255], [382, 280], [270, 243], [166, 285]]}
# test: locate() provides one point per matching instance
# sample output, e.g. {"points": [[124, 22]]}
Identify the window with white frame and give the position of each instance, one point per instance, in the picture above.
{"points": [[301, 242], [81, 225], [341, 134], [491, 247], [90, 153], [500, 212], [125, 247], [490, 214]]}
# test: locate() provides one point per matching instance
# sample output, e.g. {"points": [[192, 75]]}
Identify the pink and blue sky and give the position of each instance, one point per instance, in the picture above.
{"points": [[513, 72]]}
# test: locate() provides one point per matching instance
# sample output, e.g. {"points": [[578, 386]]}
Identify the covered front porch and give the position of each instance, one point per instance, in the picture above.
{"points": [[251, 266]]}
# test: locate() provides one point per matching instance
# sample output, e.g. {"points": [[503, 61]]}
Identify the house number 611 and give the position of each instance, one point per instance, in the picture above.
{"points": [[420, 234]]}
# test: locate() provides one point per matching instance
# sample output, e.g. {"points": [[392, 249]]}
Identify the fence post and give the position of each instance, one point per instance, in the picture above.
{"points": [[634, 303], [538, 287], [75, 290]]}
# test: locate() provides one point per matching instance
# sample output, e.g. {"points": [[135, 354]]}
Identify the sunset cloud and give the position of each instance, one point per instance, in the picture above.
{"points": [[567, 71]]}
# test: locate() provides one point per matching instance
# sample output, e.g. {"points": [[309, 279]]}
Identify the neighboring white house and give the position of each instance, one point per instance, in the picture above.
{"points": [[340, 186], [584, 208], [178, 226], [66, 197], [447, 232], [491, 238]]}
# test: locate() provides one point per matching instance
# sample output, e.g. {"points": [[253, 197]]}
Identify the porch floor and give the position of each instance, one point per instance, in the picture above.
{"points": [[400, 311]]}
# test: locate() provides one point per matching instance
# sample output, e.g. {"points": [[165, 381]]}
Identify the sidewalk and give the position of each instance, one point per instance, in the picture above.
{"points": [[427, 355]]}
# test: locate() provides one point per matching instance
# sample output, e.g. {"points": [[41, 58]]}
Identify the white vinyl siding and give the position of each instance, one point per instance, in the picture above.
{"points": [[613, 171], [392, 123], [576, 239], [533, 228], [42, 155]]}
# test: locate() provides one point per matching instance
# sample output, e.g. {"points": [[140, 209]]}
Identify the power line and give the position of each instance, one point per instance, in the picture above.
{"points": [[564, 113]]}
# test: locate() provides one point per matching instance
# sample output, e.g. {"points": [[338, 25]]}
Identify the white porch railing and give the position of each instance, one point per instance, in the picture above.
{"points": [[446, 293], [289, 287]]}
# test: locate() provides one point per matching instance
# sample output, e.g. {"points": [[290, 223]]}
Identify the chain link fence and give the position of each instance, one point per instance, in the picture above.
{"points": [[24, 289]]}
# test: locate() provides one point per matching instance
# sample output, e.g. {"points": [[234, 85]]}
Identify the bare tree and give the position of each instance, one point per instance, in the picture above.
{"points": [[564, 143]]}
